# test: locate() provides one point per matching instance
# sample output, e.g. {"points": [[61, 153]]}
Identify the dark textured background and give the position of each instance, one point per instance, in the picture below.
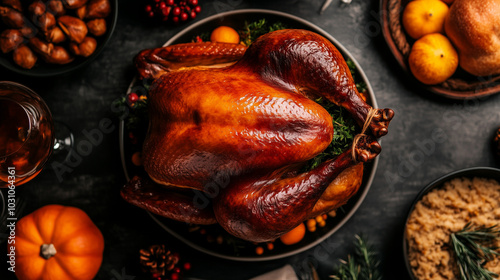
{"points": [[428, 138]]}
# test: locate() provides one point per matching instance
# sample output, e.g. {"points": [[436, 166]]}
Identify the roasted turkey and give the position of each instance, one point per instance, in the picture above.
{"points": [[230, 129]]}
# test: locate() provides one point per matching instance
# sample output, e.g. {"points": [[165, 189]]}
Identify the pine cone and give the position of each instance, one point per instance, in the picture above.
{"points": [[496, 141], [158, 261]]}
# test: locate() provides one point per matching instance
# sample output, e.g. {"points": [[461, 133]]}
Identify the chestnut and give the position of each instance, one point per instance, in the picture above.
{"points": [[55, 7], [24, 57], [59, 56], [97, 27], [28, 31], [55, 35], [41, 47], [85, 48], [37, 8], [46, 21], [74, 28], [14, 4], [74, 4], [10, 39], [11, 17], [82, 12], [98, 9]]}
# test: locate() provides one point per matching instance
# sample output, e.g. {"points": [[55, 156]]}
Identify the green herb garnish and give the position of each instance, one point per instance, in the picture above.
{"points": [[473, 247], [133, 116], [253, 30], [343, 135], [361, 86], [363, 265]]}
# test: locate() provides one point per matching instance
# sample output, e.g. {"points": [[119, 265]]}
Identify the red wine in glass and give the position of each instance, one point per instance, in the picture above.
{"points": [[26, 134]]}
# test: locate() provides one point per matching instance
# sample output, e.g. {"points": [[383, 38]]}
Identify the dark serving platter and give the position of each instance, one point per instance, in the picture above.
{"points": [[232, 248]]}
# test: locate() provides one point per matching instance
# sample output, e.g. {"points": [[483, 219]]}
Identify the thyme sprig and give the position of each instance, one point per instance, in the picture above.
{"points": [[473, 247], [362, 265]]}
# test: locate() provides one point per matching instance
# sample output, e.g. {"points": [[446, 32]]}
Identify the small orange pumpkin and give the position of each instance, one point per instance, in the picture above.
{"points": [[57, 242]]}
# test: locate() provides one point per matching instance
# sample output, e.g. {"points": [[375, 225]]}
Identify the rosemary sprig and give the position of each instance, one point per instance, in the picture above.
{"points": [[473, 247], [363, 265]]}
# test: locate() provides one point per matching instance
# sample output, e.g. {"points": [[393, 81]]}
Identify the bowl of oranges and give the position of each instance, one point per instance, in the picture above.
{"points": [[435, 42]]}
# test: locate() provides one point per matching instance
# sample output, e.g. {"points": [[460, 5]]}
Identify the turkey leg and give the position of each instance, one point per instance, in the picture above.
{"points": [[305, 62], [262, 209]]}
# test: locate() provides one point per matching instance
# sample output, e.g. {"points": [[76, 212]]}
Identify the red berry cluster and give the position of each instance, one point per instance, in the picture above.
{"points": [[173, 10]]}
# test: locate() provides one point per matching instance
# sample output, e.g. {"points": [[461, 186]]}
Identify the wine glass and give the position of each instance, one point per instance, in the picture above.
{"points": [[26, 134]]}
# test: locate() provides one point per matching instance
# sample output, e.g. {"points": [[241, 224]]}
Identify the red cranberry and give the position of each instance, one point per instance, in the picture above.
{"points": [[176, 11], [197, 9], [132, 98], [193, 2], [187, 266], [193, 14], [148, 8], [184, 16], [170, 2]]}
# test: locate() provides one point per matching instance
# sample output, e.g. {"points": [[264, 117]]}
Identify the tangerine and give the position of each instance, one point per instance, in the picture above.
{"points": [[294, 236], [424, 17], [433, 59], [225, 34]]}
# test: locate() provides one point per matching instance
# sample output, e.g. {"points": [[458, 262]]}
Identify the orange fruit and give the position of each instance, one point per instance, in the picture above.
{"points": [[294, 236], [225, 34], [433, 59], [424, 17]]}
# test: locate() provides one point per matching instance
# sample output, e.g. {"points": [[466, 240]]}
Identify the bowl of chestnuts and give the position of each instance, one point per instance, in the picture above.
{"points": [[44, 38]]}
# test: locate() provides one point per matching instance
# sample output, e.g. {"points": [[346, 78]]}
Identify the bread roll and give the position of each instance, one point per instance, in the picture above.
{"points": [[474, 28]]}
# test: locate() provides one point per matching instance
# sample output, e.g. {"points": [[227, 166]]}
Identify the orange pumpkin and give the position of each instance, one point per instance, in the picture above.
{"points": [[57, 242]]}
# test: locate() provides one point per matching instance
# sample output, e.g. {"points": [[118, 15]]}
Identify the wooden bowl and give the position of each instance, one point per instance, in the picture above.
{"points": [[461, 85]]}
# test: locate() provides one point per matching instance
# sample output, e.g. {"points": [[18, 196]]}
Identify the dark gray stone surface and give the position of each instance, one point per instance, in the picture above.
{"points": [[428, 138]]}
